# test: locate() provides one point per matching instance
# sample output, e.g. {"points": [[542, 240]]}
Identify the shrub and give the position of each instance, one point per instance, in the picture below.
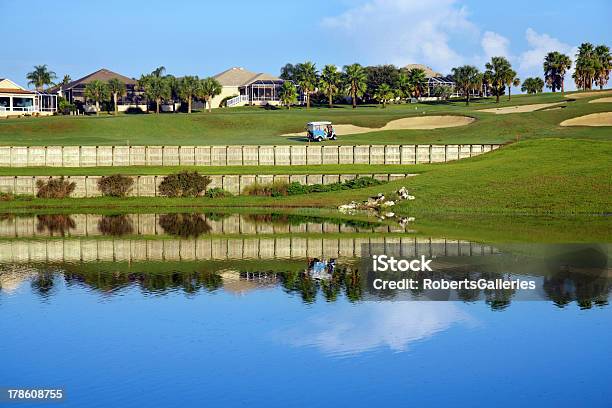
{"points": [[115, 225], [55, 188], [276, 189], [7, 196], [184, 184], [217, 192], [116, 185], [55, 224], [184, 225]]}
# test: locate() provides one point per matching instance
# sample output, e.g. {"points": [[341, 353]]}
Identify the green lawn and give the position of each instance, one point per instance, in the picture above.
{"points": [[260, 126]]}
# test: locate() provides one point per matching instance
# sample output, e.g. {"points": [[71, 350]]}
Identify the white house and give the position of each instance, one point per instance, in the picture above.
{"points": [[16, 100]]}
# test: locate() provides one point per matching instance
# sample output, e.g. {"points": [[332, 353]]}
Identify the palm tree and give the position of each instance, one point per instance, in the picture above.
{"points": [[40, 77], [209, 88], [417, 80], [512, 80], [156, 88], [498, 70], [117, 89], [96, 91], [384, 94], [602, 54], [287, 94], [586, 66], [330, 83], [66, 80], [467, 78], [307, 78], [189, 88], [159, 71], [532, 85], [555, 67], [403, 86], [355, 78]]}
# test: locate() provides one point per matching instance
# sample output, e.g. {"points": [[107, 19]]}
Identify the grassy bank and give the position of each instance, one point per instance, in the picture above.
{"points": [[555, 177], [260, 126]]}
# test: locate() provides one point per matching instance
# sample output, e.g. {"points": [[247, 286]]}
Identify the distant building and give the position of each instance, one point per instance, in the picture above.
{"points": [[247, 88], [74, 92], [16, 100], [435, 79]]}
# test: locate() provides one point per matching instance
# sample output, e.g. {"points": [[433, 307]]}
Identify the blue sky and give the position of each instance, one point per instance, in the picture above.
{"points": [[204, 38]]}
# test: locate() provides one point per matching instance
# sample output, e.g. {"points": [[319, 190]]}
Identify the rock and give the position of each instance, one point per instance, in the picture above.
{"points": [[389, 203], [402, 193], [410, 197], [390, 214]]}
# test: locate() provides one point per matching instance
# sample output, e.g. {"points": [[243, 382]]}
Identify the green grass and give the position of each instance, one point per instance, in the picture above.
{"points": [[259, 126], [212, 170]]}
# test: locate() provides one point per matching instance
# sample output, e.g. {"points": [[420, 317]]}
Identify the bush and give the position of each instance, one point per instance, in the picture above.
{"points": [[116, 185], [184, 184], [276, 189], [184, 225], [7, 196], [115, 225], [217, 192], [55, 224], [55, 188]]}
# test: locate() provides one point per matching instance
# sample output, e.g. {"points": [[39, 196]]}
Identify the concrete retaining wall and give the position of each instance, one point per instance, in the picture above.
{"points": [[147, 186], [93, 156], [110, 250]]}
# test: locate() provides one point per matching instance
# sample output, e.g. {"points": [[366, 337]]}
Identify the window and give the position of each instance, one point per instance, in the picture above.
{"points": [[5, 101], [23, 102]]}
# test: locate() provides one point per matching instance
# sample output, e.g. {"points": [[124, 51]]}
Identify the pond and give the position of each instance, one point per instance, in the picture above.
{"points": [[263, 309]]}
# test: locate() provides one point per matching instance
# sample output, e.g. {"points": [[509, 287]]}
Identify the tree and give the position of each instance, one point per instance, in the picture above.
{"points": [[117, 89], [288, 72], [417, 81], [40, 77], [403, 86], [467, 78], [307, 78], [355, 79], [555, 67], [384, 94], [189, 88], [604, 59], [330, 83], [287, 94], [512, 80], [378, 75], [66, 80], [586, 66], [156, 89], [159, 71], [498, 70], [532, 85], [96, 91], [209, 88]]}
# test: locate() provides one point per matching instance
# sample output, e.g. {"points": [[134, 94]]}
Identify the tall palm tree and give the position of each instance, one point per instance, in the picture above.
{"points": [[66, 80], [555, 67], [307, 78], [511, 80], [417, 81], [209, 88], [403, 86], [96, 91], [355, 78], [40, 77], [116, 89], [287, 94], [604, 58], [330, 82], [467, 78], [384, 94], [159, 71], [189, 88], [156, 89], [498, 70], [586, 66]]}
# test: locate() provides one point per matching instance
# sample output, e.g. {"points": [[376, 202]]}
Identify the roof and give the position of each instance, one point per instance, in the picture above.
{"points": [[238, 76], [324, 122], [101, 75], [428, 71], [16, 91], [6, 83]]}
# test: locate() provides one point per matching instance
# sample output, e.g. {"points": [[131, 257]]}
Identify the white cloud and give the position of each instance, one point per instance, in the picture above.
{"points": [[405, 31], [393, 325], [494, 45]]}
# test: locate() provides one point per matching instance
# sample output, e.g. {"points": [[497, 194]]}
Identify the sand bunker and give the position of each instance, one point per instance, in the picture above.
{"points": [[581, 95], [520, 108], [602, 100], [417, 122], [594, 119]]}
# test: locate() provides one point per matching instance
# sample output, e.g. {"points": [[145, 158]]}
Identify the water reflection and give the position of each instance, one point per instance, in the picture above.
{"points": [[116, 225], [184, 225], [55, 224]]}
